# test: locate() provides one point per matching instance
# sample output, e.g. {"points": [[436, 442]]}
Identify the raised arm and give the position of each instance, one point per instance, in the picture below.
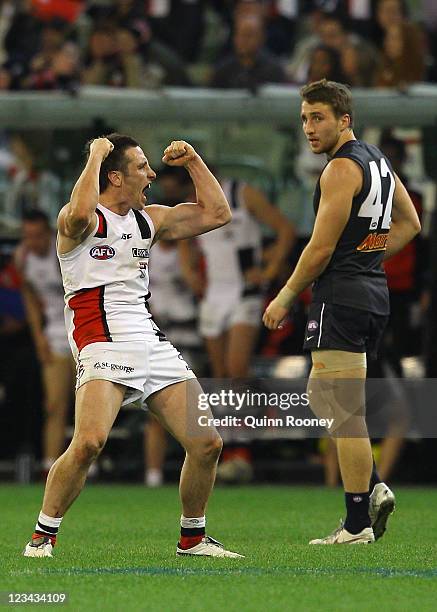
{"points": [[77, 216], [191, 218], [340, 181], [405, 222]]}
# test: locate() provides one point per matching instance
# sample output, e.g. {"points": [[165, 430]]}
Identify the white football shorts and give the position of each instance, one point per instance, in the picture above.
{"points": [[143, 367], [217, 316]]}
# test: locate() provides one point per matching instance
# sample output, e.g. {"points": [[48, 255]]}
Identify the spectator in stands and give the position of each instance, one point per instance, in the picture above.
{"points": [[388, 13], [53, 36], [325, 62], [249, 65], [402, 61], [101, 63], [330, 32], [22, 40], [179, 25], [44, 303], [358, 65], [121, 58], [56, 66]]}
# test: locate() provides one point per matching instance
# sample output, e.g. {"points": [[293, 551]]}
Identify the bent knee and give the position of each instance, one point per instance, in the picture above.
{"points": [[87, 448], [207, 449]]}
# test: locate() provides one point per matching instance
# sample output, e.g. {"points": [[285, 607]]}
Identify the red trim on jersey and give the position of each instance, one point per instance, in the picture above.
{"points": [[102, 229], [89, 318]]}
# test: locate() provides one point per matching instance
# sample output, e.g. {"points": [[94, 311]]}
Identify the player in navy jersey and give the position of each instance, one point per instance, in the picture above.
{"points": [[364, 215]]}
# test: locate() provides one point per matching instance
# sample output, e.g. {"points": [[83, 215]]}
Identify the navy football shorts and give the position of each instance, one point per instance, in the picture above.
{"points": [[336, 327]]}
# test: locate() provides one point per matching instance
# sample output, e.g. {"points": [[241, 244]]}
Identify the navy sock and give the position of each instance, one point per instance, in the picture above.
{"points": [[357, 512], [374, 477]]}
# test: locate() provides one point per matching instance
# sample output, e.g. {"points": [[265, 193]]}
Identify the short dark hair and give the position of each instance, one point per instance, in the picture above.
{"points": [[116, 160], [337, 95], [34, 215]]}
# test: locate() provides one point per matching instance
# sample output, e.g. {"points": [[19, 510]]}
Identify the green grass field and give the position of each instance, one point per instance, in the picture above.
{"points": [[116, 551]]}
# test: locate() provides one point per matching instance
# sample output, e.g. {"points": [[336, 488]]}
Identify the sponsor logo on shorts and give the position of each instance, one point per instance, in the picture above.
{"points": [[312, 326], [357, 499], [102, 252], [114, 367], [140, 252]]}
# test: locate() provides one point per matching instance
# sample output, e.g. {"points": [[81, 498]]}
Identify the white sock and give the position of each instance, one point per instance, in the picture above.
{"points": [[48, 524], [193, 523]]}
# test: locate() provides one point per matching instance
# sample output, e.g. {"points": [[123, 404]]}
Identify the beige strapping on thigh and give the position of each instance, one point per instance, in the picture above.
{"points": [[325, 361]]}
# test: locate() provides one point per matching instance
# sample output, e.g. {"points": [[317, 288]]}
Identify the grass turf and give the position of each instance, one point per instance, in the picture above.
{"points": [[116, 551]]}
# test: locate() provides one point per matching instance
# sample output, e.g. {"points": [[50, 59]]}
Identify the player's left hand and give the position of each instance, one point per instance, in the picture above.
{"points": [[179, 153], [274, 315]]}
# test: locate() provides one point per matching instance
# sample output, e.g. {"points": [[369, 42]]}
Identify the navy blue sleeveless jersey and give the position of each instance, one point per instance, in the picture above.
{"points": [[354, 276]]}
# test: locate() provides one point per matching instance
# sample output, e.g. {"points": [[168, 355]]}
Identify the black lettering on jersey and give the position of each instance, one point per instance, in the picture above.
{"points": [[102, 229], [142, 224], [143, 253]]}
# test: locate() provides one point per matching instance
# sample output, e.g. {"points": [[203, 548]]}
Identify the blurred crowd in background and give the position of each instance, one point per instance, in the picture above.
{"points": [[64, 44]]}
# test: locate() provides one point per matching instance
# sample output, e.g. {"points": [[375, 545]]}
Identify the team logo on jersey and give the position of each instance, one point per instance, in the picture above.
{"points": [[102, 252], [312, 326], [140, 253], [373, 242]]}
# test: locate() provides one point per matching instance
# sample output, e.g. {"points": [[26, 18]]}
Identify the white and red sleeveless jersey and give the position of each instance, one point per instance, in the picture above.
{"points": [[106, 281]]}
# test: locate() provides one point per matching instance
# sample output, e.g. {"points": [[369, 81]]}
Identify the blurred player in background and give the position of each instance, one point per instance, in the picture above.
{"points": [[364, 215], [105, 234], [238, 272], [174, 309], [43, 295]]}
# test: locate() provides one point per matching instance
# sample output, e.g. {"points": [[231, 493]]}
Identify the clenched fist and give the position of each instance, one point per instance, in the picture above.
{"points": [[179, 153], [101, 147]]}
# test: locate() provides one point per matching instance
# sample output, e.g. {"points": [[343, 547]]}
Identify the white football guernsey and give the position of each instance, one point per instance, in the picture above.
{"points": [[106, 281]]}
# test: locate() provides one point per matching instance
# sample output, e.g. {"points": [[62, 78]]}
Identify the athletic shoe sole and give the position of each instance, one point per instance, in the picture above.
{"points": [[386, 508]]}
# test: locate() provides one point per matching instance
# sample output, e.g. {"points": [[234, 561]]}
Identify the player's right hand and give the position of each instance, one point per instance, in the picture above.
{"points": [[178, 153], [274, 315], [101, 147]]}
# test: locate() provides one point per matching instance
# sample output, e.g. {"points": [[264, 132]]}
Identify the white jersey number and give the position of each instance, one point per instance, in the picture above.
{"points": [[373, 206]]}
